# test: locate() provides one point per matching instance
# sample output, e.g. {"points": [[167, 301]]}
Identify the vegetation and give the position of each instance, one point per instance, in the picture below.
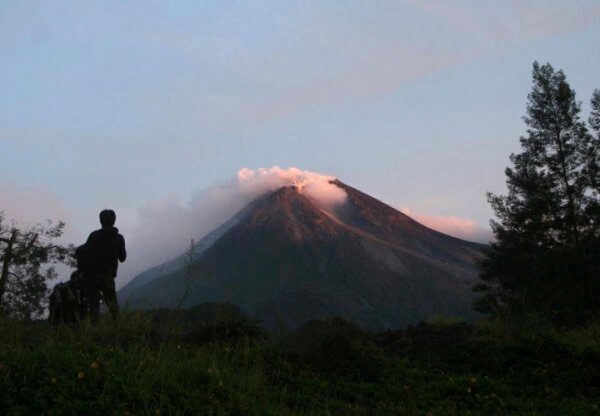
{"points": [[547, 250], [336, 346], [139, 367]]}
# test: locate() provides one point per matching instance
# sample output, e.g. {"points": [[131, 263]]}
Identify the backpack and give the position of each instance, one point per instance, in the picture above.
{"points": [[86, 261], [67, 300]]}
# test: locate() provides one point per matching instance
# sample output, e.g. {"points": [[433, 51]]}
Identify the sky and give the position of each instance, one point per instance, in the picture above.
{"points": [[418, 102]]}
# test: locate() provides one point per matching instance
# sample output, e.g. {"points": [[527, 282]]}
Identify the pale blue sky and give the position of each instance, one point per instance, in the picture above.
{"points": [[418, 103]]}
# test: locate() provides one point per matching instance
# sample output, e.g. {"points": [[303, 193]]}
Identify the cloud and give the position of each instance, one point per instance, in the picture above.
{"points": [[459, 227], [514, 20], [163, 228], [332, 62], [30, 205]]}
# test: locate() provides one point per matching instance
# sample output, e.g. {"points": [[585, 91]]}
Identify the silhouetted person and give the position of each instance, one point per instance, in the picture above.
{"points": [[107, 247]]}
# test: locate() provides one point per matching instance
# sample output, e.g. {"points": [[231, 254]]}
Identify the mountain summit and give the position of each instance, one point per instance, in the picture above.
{"points": [[285, 260]]}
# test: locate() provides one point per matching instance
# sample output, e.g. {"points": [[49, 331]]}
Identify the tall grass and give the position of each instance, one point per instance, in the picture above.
{"points": [[131, 367]]}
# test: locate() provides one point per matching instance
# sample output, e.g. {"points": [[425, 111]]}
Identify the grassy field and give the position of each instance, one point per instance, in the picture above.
{"points": [[329, 368]]}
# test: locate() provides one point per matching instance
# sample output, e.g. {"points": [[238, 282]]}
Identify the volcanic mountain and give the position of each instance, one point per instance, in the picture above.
{"points": [[284, 261]]}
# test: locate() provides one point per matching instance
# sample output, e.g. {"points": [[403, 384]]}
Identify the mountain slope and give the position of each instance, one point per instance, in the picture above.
{"points": [[285, 261]]}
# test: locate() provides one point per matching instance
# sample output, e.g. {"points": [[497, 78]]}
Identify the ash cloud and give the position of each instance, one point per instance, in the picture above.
{"points": [[164, 228]]}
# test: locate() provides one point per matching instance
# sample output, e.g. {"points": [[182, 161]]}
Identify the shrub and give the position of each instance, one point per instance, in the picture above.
{"points": [[336, 345], [234, 332], [208, 313]]}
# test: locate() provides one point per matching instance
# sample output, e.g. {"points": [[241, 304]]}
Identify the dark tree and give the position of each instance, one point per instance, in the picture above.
{"points": [[593, 209], [27, 256], [546, 232]]}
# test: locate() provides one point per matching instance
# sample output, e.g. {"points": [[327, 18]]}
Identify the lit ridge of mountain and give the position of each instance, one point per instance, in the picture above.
{"points": [[285, 260]]}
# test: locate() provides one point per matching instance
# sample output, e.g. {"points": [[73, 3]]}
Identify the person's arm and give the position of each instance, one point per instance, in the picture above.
{"points": [[122, 254]]}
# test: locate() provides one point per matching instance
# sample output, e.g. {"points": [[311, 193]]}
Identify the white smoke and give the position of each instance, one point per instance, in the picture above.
{"points": [[318, 188], [164, 228]]}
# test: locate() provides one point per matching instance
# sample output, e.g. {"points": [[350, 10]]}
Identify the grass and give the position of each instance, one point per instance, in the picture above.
{"points": [[140, 367]]}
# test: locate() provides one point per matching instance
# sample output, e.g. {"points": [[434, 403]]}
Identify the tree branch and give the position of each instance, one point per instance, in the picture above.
{"points": [[28, 247]]}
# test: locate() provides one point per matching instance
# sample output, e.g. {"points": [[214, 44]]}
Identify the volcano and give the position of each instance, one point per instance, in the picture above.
{"points": [[285, 260]]}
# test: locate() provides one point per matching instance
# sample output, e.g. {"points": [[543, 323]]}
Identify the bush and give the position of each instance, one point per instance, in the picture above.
{"points": [[441, 320], [426, 341], [336, 345], [234, 332], [139, 368], [208, 313]]}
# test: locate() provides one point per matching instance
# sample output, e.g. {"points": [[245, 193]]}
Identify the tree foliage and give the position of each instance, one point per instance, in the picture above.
{"points": [[594, 122], [27, 259], [547, 229]]}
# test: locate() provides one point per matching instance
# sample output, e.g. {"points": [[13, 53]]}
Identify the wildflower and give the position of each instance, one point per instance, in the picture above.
{"points": [[53, 380], [94, 365], [473, 379], [469, 390], [81, 375]]}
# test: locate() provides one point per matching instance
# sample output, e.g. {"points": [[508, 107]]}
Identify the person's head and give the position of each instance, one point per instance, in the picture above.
{"points": [[107, 218]]}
